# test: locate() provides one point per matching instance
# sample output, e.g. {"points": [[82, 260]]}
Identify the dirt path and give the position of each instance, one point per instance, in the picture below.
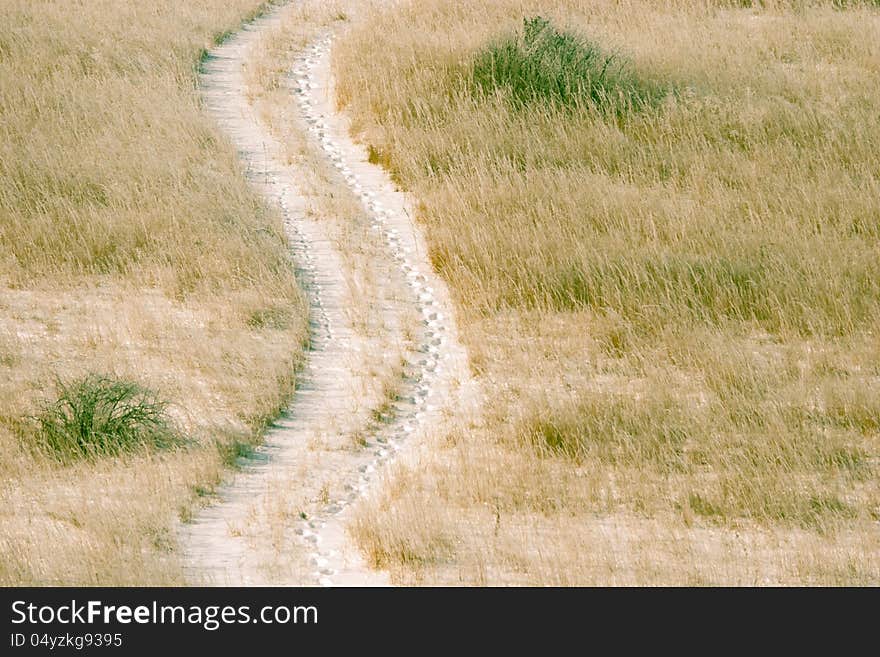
{"points": [[281, 519]]}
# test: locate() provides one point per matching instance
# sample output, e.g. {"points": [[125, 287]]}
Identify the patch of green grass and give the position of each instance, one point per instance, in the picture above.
{"points": [[97, 416], [232, 452], [544, 65]]}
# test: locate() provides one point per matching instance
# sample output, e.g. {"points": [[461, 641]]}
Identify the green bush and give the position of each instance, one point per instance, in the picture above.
{"points": [[99, 416], [542, 64]]}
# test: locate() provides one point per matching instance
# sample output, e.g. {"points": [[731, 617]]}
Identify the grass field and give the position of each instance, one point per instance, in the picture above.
{"points": [[659, 224], [136, 269], [658, 221]]}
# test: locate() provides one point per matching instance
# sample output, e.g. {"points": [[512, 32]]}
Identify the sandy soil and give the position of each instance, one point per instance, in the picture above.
{"points": [[281, 519]]}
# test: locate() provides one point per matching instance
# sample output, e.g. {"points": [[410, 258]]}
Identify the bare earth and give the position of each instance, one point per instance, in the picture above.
{"points": [[282, 518]]}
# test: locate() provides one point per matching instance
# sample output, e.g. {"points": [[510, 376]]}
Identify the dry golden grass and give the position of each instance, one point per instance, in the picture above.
{"points": [[132, 246], [673, 310]]}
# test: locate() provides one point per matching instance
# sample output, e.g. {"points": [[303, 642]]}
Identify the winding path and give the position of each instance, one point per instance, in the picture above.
{"points": [[256, 533]]}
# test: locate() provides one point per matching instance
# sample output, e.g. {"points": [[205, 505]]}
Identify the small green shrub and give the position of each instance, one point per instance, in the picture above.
{"points": [[542, 64], [99, 416]]}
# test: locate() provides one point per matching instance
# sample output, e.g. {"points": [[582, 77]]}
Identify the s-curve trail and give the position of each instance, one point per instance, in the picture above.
{"points": [[281, 518]]}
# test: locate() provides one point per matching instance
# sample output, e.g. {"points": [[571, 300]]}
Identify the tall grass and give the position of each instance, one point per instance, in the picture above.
{"points": [[672, 310], [99, 178], [129, 243]]}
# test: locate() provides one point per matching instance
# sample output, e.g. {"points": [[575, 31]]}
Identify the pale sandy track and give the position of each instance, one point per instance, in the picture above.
{"points": [[254, 534]]}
